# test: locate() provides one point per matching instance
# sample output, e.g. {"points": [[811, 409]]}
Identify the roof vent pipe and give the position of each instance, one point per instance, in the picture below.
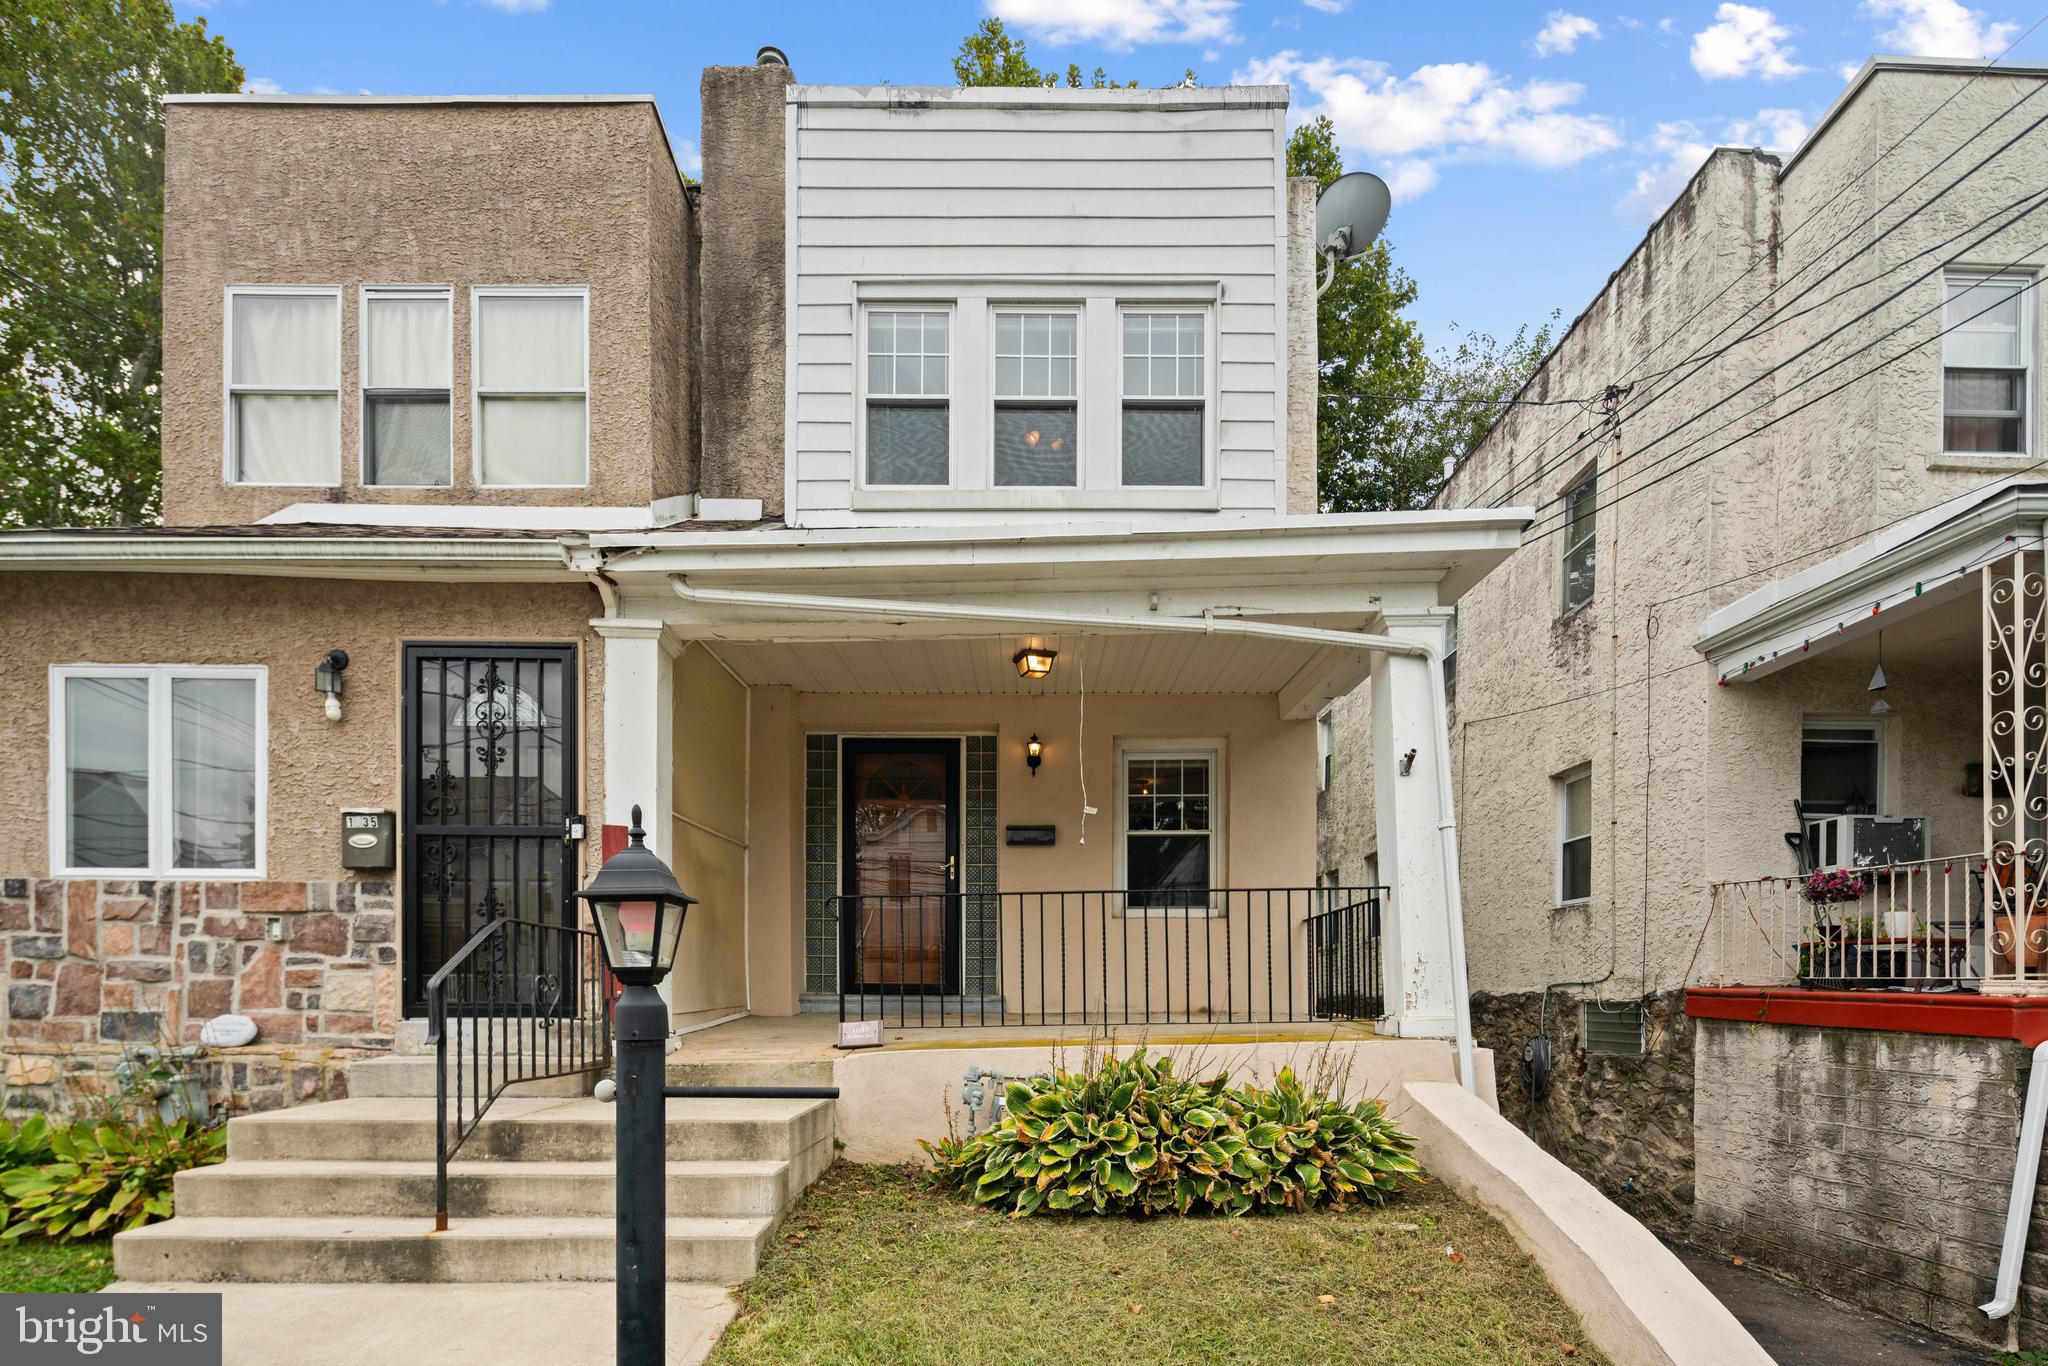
{"points": [[770, 56]]}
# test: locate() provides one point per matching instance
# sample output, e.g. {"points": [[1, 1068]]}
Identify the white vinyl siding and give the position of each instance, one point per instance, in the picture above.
{"points": [[529, 370], [283, 385], [157, 770], [1169, 201]]}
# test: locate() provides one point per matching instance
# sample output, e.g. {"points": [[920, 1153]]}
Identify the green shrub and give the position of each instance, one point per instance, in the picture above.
{"points": [[1130, 1137], [104, 1177], [26, 1144]]}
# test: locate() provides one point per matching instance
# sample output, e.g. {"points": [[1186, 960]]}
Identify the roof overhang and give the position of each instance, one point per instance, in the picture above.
{"points": [[454, 559], [1922, 563]]}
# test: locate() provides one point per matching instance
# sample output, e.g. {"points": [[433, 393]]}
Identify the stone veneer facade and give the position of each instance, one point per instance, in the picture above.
{"points": [[95, 968]]}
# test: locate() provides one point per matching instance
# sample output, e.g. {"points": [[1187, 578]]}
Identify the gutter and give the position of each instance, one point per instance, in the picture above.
{"points": [[2019, 1208], [1447, 822], [198, 553]]}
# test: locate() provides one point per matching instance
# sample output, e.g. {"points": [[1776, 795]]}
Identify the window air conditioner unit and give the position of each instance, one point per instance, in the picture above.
{"points": [[1865, 841]]}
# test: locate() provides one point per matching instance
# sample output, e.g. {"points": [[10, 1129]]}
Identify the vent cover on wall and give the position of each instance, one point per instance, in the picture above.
{"points": [[1612, 1029]]}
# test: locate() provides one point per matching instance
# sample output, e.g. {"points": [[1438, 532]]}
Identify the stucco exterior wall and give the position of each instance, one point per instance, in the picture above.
{"points": [[444, 194], [317, 766], [1269, 794], [711, 825]]}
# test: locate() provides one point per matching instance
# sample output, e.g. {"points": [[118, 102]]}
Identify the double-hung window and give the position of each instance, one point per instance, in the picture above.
{"points": [[1037, 393], [157, 770], [1164, 423], [909, 417], [1580, 503], [408, 438], [1171, 827], [1987, 361], [284, 385], [531, 375], [1575, 836]]}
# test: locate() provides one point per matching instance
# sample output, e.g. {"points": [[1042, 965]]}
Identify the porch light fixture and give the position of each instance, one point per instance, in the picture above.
{"points": [[1034, 661], [1034, 754], [327, 679], [639, 908]]}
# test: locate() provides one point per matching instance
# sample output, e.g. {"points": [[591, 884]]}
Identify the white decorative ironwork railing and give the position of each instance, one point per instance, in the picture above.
{"points": [[2015, 782], [1919, 926]]}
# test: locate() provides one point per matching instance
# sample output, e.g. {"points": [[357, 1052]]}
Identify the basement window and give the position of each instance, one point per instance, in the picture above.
{"points": [[1616, 1030]]}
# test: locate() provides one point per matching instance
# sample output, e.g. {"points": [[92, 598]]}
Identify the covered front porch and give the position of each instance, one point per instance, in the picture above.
{"points": [[1909, 677], [1042, 780]]}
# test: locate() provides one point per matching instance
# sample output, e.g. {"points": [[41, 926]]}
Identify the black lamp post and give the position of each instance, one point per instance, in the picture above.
{"points": [[639, 909]]}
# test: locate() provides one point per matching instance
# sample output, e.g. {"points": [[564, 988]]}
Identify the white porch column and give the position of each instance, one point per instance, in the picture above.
{"points": [[1415, 937], [639, 711]]}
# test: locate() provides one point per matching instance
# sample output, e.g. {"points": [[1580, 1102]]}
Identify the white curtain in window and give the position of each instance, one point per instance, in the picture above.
{"points": [[528, 441], [407, 344], [1985, 318], [529, 344], [286, 341], [286, 439]]}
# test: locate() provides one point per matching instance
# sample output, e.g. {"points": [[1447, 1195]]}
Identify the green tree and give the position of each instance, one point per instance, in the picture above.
{"points": [[991, 55], [81, 246]]}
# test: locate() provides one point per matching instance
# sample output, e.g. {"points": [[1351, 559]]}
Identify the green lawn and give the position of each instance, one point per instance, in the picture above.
{"points": [[876, 1267], [36, 1266]]}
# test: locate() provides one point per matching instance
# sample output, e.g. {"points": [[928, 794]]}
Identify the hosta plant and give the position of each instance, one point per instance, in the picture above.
{"points": [[104, 1178], [1130, 1137]]}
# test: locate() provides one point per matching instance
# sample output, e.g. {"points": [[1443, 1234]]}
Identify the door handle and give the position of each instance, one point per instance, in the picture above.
{"points": [[949, 867]]}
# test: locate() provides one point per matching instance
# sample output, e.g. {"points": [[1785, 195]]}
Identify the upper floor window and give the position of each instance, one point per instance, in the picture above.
{"points": [[1037, 407], [909, 369], [531, 374], [1575, 835], [284, 385], [1163, 384], [1580, 503], [408, 438], [1987, 358], [156, 769]]}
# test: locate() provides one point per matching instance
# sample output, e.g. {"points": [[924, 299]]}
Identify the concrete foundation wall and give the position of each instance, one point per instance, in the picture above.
{"points": [[1875, 1166]]}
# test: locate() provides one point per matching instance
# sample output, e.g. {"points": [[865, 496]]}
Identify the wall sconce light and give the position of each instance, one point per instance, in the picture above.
{"points": [[1034, 661], [1034, 754], [327, 679]]}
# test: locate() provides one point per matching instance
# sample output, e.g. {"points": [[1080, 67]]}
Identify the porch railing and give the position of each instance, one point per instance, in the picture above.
{"points": [[521, 1000], [1918, 926], [1237, 955]]}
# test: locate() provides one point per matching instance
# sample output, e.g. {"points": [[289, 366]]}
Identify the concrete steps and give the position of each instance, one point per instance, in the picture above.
{"points": [[406, 1076], [344, 1193]]}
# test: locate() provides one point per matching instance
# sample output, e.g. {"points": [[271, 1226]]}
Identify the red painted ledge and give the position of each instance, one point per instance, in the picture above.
{"points": [[2024, 1018]]}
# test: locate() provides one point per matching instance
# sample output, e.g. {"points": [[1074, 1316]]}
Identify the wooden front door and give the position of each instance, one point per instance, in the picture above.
{"points": [[900, 873]]}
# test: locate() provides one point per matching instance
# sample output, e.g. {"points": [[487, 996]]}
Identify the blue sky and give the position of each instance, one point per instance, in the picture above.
{"points": [[1529, 145]]}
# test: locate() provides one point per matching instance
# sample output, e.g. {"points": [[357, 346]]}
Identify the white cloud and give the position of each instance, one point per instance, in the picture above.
{"points": [[1667, 25], [1561, 32], [261, 85], [1328, 6], [1847, 70], [1413, 123], [518, 6], [1939, 28], [692, 157], [1744, 40], [1682, 147], [1118, 24]]}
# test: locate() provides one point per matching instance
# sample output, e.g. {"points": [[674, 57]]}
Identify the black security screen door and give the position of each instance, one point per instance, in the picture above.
{"points": [[490, 780]]}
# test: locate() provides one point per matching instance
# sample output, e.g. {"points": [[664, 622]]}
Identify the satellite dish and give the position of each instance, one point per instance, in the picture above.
{"points": [[1349, 216]]}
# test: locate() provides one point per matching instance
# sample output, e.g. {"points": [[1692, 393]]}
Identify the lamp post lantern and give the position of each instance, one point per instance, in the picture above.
{"points": [[639, 909]]}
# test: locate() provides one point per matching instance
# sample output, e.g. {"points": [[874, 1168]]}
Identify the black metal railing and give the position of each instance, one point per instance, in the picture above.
{"points": [[521, 1000], [1222, 955]]}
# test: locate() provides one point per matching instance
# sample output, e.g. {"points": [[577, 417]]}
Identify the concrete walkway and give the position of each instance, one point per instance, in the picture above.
{"points": [[1800, 1328], [562, 1323]]}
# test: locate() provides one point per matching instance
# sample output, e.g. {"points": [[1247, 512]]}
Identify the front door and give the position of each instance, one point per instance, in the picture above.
{"points": [[490, 779], [900, 873]]}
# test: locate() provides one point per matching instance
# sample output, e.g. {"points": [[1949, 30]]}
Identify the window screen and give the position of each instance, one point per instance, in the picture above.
{"points": [[1838, 769], [1612, 1029], [1037, 436], [908, 384], [1164, 421]]}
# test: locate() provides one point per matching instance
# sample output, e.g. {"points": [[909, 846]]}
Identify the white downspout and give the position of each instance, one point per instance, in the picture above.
{"points": [[1447, 820], [2019, 1209]]}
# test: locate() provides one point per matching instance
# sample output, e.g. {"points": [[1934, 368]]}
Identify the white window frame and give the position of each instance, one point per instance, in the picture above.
{"points": [[1560, 799], [2029, 372], [863, 393], [1880, 736], [1210, 749], [971, 385], [1078, 311], [477, 294], [1207, 398], [228, 387], [162, 775], [1590, 476], [446, 294], [1326, 750]]}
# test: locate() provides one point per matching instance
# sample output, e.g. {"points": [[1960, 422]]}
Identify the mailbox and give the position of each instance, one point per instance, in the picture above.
{"points": [[368, 839]]}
